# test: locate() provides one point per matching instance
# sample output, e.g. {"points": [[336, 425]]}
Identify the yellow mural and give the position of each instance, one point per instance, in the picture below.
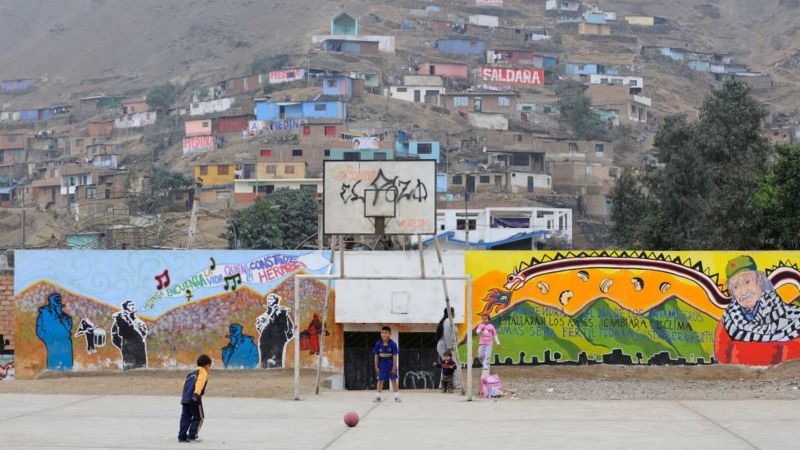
{"points": [[633, 307]]}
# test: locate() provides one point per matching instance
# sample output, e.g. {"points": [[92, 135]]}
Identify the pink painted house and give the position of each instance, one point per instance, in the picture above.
{"points": [[447, 70], [200, 127]]}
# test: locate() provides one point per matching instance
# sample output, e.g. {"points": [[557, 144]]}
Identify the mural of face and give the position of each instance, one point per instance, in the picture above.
{"points": [[746, 289]]}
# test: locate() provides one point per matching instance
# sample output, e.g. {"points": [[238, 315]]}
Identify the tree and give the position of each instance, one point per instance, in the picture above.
{"points": [[156, 194], [285, 219], [702, 196], [298, 215], [778, 201], [256, 227], [162, 97], [577, 112], [628, 205]]}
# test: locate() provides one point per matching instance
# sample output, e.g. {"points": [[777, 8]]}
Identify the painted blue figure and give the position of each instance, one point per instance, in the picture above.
{"points": [[241, 351], [54, 328]]}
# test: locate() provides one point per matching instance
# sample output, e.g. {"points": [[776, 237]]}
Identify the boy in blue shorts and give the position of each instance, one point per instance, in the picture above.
{"points": [[385, 358]]}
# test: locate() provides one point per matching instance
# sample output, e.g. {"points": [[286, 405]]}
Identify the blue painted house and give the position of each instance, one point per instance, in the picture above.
{"points": [[579, 69], [417, 149], [17, 85], [461, 46], [342, 86], [267, 109]]}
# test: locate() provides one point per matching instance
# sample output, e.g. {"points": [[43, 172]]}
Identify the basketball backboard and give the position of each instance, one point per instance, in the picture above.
{"points": [[380, 197]]}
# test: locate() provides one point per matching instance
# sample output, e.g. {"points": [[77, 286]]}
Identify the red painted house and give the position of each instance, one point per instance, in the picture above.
{"points": [[233, 124]]}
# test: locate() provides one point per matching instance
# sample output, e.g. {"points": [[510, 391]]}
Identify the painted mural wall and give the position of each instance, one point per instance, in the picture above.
{"points": [[638, 308], [120, 310]]}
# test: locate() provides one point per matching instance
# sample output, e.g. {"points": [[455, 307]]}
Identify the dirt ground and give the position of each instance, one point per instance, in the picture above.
{"points": [[541, 382]]}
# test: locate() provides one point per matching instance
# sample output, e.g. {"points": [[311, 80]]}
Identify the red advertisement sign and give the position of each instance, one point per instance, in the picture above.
{"points": [[197, 144], [511, 75], [285, 76]]}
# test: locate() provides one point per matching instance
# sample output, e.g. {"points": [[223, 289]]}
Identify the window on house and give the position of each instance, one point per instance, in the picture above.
{"points": [[599, 149], [424, 149], [401, 89], [503, 101], [327, 152], [203, 170], [308, 187], [527, 108], [473, 44], [379, 156], [472, 224], [223, 170], [306, 130], [331, 83], [320, 107], [520, 159], [573, 147], [458, 179], [352, 156], [330, 131], [297, 152], [518, 137], [288, 170], [634, 83], [12, 138], [460, 102], [206, 124], [108, 194], [589, 170], [548, 109], [179, 195], [484, 179], [271, 169], [91, 193]]}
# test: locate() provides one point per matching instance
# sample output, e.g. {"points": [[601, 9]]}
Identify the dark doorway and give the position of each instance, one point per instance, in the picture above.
{"points": [[359, 370], [417, 355], [530, 185], [470, 184]]}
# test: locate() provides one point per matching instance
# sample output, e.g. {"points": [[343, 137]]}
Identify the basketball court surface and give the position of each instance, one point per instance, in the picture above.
{"points": [[422, 420]]}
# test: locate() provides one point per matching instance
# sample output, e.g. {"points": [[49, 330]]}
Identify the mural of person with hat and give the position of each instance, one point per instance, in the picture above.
{"points": [[241, 351], [758, 327], [54, 328], [128, 334], [276, 328]]}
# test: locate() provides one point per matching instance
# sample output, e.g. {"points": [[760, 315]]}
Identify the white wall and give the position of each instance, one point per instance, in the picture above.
{"points": [[617, 79], [484, 20], [519, 182], [488, 121], [406, 93], [414, 301], [210, 107]]}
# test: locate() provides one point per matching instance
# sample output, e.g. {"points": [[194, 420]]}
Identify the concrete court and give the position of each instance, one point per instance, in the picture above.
{"points": [[423, 420]]}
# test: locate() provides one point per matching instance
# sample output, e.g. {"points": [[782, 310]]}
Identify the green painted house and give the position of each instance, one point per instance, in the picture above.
{"points": [[344, 25]]}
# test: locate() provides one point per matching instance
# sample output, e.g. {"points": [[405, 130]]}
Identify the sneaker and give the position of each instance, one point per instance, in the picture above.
{"points": [[377, 400], [397, 400]]}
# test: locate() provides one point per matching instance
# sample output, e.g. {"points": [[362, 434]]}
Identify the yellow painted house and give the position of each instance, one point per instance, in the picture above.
{"points": [[215, 174]]}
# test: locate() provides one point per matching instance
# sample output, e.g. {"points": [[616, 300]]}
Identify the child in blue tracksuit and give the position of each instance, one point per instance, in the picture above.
{"points": [[192, 400], [385, 358]]}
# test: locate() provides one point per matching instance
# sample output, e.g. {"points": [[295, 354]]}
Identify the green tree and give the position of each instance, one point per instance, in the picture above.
{"points": [[256, 227], [162, 97], [778, 201], [576, 111], [628, 205], [702, 196], [287, 218], [156, 192]]}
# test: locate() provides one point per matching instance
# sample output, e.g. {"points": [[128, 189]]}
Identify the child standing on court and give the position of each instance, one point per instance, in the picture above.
{"points": [[192, 400], [487, 335], [385, 359], [448, 366]]}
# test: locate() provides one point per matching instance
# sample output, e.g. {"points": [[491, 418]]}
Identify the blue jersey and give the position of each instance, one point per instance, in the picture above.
{"points": [[385, 354]]}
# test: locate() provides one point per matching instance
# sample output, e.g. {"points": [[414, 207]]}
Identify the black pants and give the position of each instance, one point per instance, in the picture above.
{"points": [[447, 383], [191, 420]]}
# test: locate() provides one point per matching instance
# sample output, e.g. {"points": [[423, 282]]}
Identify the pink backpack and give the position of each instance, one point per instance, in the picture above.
{"points": [[491, 386]]}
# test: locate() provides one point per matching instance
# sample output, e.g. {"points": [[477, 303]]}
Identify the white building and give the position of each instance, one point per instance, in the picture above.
{"points": [[418, 89], [483, 20], [136, 120], [211, 106], [501, 228], [562, 5], [632, 81]]}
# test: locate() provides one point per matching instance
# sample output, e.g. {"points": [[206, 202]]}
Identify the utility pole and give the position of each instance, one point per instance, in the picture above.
{"points": [[193, 219], [23, 227], [466, 212]]}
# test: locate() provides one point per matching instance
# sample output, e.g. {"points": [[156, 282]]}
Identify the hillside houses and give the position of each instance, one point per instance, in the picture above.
{"points": [[473, 87]]}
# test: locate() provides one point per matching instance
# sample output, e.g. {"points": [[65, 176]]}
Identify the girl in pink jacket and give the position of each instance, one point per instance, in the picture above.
{"points": [[487, 336]]}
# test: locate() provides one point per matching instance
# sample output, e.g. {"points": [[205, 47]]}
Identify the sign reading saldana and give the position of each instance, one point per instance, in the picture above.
{"points": [[512, 75]]}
